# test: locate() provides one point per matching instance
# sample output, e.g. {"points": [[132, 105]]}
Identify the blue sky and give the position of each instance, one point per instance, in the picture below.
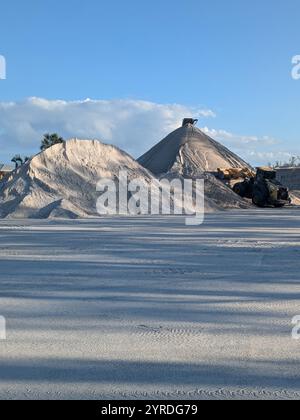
{"points": [[233, 58]]}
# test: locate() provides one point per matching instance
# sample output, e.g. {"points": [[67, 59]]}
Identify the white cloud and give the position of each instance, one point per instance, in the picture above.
{"points": [[132, 125], [269, 157], [239, 140], [254, 149]]}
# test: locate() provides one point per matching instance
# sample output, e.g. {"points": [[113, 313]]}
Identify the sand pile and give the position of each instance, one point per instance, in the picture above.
{"points": [[190, 153], [295, 196], [61, 182]]}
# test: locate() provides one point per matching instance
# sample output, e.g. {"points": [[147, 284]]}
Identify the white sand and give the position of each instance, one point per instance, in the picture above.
{"points": [[295, 195], [148, 308], [61, 182], [190, 152]]}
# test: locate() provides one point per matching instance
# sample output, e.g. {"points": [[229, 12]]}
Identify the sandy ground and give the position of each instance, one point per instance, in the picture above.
{"points": [[150, 308]]}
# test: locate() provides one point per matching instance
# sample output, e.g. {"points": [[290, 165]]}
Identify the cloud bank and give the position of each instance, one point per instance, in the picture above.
{"points": [[132, 125]]}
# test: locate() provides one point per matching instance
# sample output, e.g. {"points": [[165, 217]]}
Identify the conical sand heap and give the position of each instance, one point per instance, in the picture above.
{"points": [[190, 152]]}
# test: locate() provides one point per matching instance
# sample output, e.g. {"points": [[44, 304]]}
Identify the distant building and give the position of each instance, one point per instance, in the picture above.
{"points": [[5, 169], [289, 177]]}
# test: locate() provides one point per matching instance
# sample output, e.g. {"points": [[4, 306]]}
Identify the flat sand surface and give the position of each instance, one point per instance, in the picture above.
{"points": [[149, 308]]}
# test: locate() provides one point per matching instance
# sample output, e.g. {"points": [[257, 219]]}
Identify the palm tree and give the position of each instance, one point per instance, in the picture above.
{"points": [[17, 160], [14, 160], [50, 140]]}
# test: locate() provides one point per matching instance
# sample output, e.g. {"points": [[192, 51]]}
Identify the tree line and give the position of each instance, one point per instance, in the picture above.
{"points": [[293, 162]]}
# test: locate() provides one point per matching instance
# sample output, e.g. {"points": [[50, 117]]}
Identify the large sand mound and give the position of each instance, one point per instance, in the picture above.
{"points": [[189, 151], [61, 182]]}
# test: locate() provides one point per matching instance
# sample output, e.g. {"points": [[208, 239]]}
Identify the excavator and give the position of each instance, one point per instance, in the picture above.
{"points": [[261, 186]]}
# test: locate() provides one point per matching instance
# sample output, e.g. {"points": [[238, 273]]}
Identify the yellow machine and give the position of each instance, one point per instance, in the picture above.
{"points": [[235, 173]]}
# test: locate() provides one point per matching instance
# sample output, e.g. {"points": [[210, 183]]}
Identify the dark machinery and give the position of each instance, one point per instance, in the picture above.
{"points": [[188, 121], [264, 189]]}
